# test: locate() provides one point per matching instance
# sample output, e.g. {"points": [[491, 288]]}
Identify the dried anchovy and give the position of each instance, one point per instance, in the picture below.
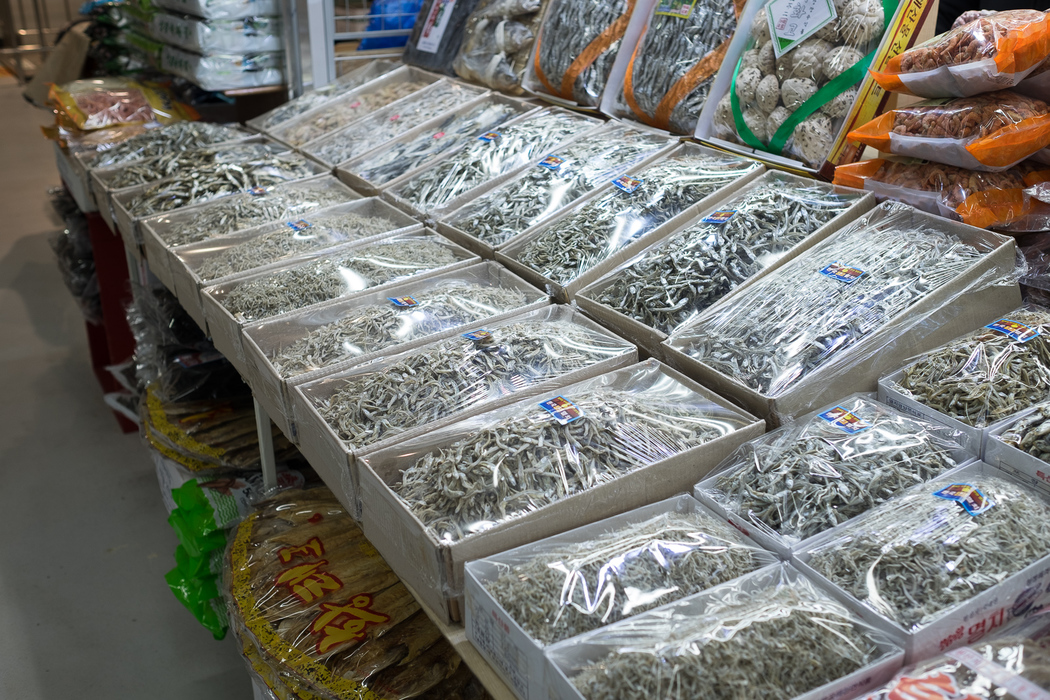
{"points": [[510, 209], [797, 320], [456, 130], [526, 462], [917, 556], [584, 238], [773, 645], [800, 481], [577, 587], [180, 136], [1030, 434], [453, 374], [677, 281], [321, 280], [285, 242], [195, 162], [986, 375], [388, 123], [347, 109], [570, 27], [380, 326], [316, 98], [499, 153]]}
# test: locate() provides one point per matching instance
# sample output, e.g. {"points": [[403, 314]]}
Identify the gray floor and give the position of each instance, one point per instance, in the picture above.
{"points": [[84, 610]]}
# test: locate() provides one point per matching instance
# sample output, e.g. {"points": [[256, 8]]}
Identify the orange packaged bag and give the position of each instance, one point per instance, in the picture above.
{"points": [[107, 102], [990, 53]]}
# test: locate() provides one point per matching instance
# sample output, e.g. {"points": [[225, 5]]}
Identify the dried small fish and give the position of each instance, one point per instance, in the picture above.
{"points": [[585, 237], [180, 136], [1030, 434], [197, 162], [497, 42]]}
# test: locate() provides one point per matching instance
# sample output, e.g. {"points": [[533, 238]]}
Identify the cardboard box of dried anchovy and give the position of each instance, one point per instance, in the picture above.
{"points": [[383, 403], [894, 283], [720, 252], [568, 252], [943, 564], [302, 346], [1020, 447], [519, 602], [341, 273], [560, 459]]}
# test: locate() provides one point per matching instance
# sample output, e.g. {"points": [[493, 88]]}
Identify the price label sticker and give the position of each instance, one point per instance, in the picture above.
{"points": [[563, 410]]}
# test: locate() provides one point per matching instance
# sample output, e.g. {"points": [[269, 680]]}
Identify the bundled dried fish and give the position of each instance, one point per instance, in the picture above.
{"points": [[563, 589], [628, 210], [314, 281], [810, 476], [492, 154], [200, 163], [987, 375], [497, 42], [560, 179], [180, 136], [925, 552], [677, 280], [1030, 434]]}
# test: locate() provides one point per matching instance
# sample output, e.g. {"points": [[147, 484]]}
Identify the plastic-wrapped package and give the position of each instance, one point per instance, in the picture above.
{"points": [[109, 102], [305, 586], [922, 554], [678, 279], [196, 585], [373, 402], [627, 210], [576, 45], [828, 467], [224, 71], [987, 375], [1037, 84], [437, 34], [455, 131], [390, 122], [672, 67], [180, 136], [497, 42], [993, 131], [204, 163], [73, 251], [1029, 434], [769, 634], [224, 9], [334, 275], [492, 154], [990, 53], [163, 332], [560, 179], [229, 36]]}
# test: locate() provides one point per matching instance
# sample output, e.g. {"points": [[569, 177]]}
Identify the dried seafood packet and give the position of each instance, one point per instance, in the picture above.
{"points": [[497, 43], [180, 136]]}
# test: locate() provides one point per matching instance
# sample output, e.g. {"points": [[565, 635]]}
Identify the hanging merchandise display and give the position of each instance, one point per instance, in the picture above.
{"points": [[497, 42], [437, 34]]}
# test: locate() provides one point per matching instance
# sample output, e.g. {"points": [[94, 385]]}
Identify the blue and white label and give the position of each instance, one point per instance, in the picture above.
{"points": [[403, 301], [551, 162], [968, 496], [719, 217], [844, 420], [298, 225], [1018, 331], [257, 191], [627, 184], [478, 336], [843, 273], [563, 410], [490, 136]]}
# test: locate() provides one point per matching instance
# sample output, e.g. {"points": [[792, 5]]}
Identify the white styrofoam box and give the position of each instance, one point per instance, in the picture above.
{"points": [[1024, 467]]}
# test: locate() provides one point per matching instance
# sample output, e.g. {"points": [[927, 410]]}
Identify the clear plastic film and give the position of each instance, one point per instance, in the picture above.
{"points": [[74, 254], [225, 71], [453, 132], [390, 122], [161, 328], [334, 275], [490, 155], [224, 9], [557, 589], [109, 102], [208, 163], [770, 634], [676, 59], [247, 35], [499, 466], [497, 42], [1037, 84], [924, 553], [373, 402], [673, 282], [180, 136], [990, 53], [376, 323], [625, 211], [993, 131], [1029, 434], [809, 314], [560, 179], [248, 209], [987, 375], [828, 467], [437, 34]]}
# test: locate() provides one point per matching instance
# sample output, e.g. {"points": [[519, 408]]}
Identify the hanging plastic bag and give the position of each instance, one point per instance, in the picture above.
{"points": [[437, 34], [497, 43], [108, 102]]}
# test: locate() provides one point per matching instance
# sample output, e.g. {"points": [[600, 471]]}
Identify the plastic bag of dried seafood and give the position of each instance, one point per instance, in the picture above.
{"points": [[497, 42], [304, 585], [437, 34], [770, 634], [826, 468], [223, 9], [490, 155], [224, 71], [673, 282], [109, 102], [626, 210], [246, 35], [180, 136], [990, 53], [203, 163], [557, 181]]}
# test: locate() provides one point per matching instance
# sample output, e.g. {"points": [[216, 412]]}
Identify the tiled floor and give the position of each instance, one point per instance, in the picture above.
{"points": [[84, 610]]}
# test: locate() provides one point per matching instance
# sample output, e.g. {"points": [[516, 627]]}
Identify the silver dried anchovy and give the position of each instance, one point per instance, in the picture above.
{"points": [[316, 281], [570, 27], [526, 462], [1030, 434], [284, 242], [984, 376], [581, 586], [180, 136], [919, 555], [380, 326], [499, 215], [576, 243], [690, 272], [454, 374], [197, 162], [483, 160], [316, 98]]}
